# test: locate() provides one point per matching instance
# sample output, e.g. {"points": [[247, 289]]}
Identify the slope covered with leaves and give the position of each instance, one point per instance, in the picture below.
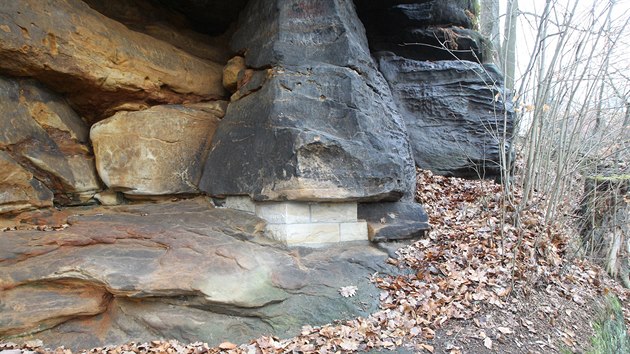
{"points": [[477, 283]]}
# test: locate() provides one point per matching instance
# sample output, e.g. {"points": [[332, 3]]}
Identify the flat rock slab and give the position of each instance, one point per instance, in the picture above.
{"points": [[181, 270]]}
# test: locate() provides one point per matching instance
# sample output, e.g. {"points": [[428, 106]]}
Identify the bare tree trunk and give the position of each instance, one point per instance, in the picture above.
{"points": [[489, 25], [605, 230], [508, 49]]}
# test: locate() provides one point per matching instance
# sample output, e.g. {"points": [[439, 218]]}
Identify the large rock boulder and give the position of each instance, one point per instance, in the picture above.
{"points": [[323, 126], [424, 30], [173, 270], [19, 189], [390, 14], [456, 113], [298, 139], [102, 65], [49, 143], [158, 151], [394, 221]]}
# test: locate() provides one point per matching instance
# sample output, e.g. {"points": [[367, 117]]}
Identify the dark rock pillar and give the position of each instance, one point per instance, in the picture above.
{"points": [[323, 125], [320, 124], [455, 107]]}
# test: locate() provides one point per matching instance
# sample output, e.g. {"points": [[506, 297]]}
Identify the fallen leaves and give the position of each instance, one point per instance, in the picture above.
{"points": [[427, 347], [59, 227], [348, 291], [505, 330], [487, 342], [227, 346]]}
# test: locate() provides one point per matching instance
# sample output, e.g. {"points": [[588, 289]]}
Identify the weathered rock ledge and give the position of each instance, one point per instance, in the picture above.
{"points": [[178, 269], [99, 63]]}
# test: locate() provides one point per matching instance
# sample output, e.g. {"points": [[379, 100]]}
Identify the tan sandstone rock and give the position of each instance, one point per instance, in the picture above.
{"points": [[47, 143], [157, 151], [109, 198], [230, 72], [19, 190], [100, 63], [165, 24]]}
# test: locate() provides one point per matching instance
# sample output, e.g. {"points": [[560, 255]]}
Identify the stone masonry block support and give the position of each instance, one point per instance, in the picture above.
{"points": [[306, 223]]}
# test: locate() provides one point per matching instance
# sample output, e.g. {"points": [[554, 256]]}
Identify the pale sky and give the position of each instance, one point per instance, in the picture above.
{"points": [[527, 24], [527, 27]]}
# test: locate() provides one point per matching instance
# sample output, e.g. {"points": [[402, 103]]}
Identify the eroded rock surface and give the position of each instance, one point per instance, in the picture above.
{"points": [[45, 148], [170, 26], [456, 113], [423, 30], [99, 63], [323, 126], [419, 13], [175, 270], [454, 105], [19, 189], [156, 151], [394, 221]]}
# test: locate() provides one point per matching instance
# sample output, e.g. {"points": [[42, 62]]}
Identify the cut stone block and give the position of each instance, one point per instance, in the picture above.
{"points": [[284, 212], [305, 223], [305, 234], [240, 202], [329, 212], [353, 231]]}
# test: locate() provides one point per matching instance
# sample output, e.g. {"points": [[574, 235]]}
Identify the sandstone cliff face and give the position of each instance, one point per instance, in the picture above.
{"points": [[312, 117], [100, 64], [301, 100]]}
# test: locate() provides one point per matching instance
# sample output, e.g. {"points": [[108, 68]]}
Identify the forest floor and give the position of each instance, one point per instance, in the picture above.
{"points": [[475, 284]]}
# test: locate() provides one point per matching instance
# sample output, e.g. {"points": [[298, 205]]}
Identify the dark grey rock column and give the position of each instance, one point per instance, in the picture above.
{"points": [[323, 126]]}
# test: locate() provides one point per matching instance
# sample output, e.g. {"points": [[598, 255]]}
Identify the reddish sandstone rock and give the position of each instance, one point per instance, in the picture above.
{"points": [[45, 148], [19, 190], [101, 64], [181, 270]]}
